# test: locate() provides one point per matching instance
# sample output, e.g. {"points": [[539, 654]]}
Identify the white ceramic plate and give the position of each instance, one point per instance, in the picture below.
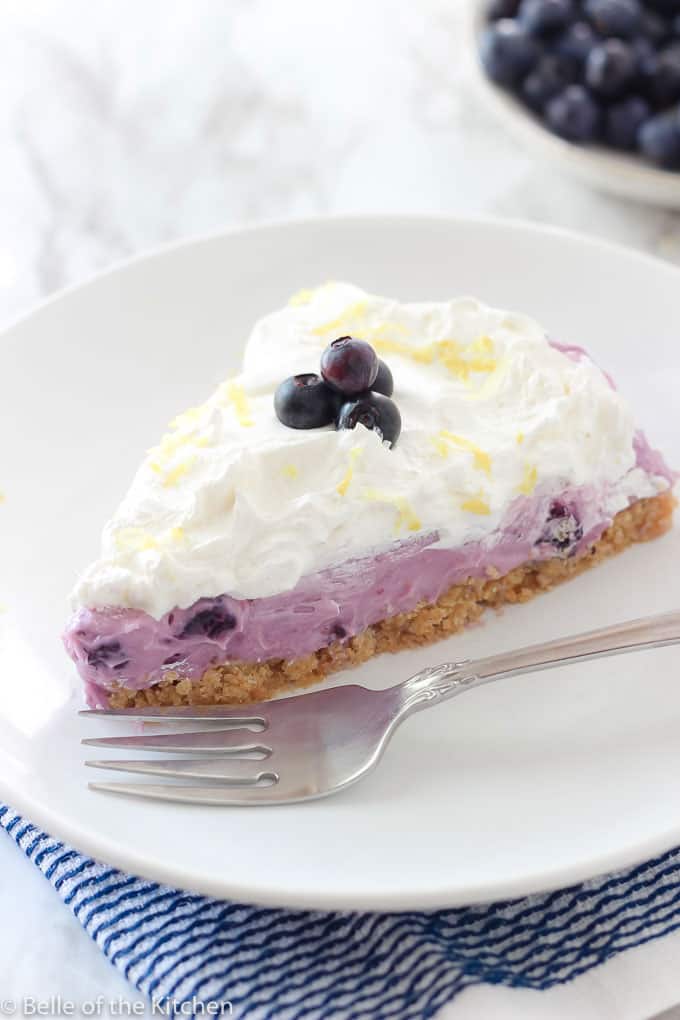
{"points": [[530, 784], [628, 176]]}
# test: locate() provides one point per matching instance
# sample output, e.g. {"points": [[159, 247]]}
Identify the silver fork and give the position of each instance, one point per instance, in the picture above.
{"points": [[315, 744]]}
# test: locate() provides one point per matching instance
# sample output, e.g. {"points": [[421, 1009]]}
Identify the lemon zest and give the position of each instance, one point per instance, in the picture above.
{"points": [[344, 485], [174, 475], [476, 505], [188, 418], [452, 355], [235, 395], [528, 483], [135, 540], [445, 439], [406, 516], [343, 321], [520, 438], [301, 297], [290, 471]]}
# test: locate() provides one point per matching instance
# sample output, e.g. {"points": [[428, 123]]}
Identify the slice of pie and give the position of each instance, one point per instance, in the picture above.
{"points": [[451, 458]]}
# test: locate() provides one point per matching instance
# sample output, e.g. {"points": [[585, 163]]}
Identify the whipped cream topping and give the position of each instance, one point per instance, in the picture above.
{"points": [[231, 501]]}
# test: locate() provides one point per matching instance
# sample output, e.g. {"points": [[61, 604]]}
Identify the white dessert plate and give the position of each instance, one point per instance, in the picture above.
{"points": [[529, 784], [620, 173]]}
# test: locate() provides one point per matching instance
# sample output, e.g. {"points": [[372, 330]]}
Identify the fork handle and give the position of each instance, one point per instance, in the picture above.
{"points": [[438, 683]]}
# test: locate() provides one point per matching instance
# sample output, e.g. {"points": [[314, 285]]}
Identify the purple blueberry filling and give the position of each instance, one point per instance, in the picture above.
{"points": [[113, 646]]}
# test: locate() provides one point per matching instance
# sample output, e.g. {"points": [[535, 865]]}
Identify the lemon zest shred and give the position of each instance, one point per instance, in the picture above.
{"points": [[482, 345], [290, 471], [445, 439], [135, 540], [520, 438], [177, 534], [528, 483], [2, 497], [187, 418], [450, 353], [301, 297], [344, 485], [235, 395], [476, 505], [174, 475], [344, 321], [406, 516]]}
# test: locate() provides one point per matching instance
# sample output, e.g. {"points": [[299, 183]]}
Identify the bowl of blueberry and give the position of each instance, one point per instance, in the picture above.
{"points": [[592, 84]]}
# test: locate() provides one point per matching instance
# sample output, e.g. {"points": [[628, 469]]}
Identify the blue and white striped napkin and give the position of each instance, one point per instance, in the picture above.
{"points": [[177, 947]]}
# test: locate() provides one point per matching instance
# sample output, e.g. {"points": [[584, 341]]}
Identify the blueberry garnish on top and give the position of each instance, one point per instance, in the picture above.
{"points": [[384, 383], [373, 411], [354, 388], [350, 366], [306, 402]]}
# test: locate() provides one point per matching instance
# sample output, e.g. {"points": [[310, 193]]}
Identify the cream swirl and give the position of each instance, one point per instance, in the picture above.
{"points": [[231, 501]]}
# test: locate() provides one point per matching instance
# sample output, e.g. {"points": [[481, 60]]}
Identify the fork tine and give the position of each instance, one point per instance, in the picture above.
{"points": [[230, 771], [202, 742], [235, 796], [242, 715]]}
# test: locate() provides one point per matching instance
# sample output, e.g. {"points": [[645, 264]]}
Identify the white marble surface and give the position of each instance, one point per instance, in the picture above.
{"points": [[127, 125]]}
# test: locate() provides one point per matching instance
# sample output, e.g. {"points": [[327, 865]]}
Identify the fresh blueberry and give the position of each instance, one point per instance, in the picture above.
{"points": [[374, 411], [610, 68], [551, 75], [545, 17], [576, 43], [109, 654], [496, 9], [350, 366], [668, 8], [508, 52], [563, 530], [305, 402], [655, 28], [643, 48], [383, 382], [659, 139], [623, 121], [212, 622], [574, 115], [660, 77], [620, 18]]}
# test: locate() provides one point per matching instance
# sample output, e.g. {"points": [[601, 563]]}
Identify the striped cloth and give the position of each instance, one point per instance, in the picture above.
{"points": [[180, 948]]}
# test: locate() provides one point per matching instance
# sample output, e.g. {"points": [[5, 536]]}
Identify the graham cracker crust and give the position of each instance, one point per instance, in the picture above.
{"points": [[463, 604]]}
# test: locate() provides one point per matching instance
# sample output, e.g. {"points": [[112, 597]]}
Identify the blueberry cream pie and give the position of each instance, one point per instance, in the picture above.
{"points": [[377, 475]]}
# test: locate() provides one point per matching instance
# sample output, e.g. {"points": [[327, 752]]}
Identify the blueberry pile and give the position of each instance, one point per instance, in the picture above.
{"points": [[354, 388], [594, 70]]}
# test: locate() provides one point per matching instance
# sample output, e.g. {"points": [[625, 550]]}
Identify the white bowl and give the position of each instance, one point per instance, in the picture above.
{"points": [[628, 176]]}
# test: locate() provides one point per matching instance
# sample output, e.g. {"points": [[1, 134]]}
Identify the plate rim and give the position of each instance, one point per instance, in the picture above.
{"points": [[490, 220], [88, 842]]}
